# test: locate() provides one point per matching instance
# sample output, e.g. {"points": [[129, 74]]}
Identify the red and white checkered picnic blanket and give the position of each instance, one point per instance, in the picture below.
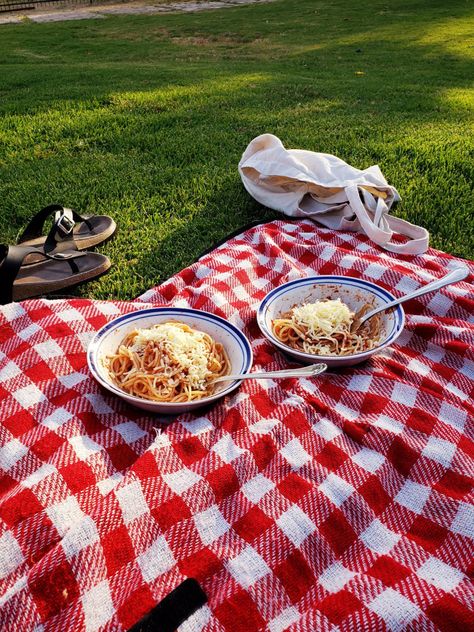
{"points": [[339, 502]]}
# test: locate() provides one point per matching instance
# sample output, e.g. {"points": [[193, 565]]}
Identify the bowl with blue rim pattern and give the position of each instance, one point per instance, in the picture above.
{"points": [[352, 291], [107, 340]]}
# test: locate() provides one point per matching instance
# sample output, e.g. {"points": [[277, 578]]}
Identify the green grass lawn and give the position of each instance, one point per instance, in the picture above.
{"points": [[146, 117]]}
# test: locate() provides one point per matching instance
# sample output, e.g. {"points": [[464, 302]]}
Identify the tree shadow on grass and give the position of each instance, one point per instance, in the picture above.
{"points": [[183, 243], [89, 59], [162, 159]]}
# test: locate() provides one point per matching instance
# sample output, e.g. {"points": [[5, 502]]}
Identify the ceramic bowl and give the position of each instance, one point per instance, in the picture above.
{"points": [[107, 340], [352, 291]]}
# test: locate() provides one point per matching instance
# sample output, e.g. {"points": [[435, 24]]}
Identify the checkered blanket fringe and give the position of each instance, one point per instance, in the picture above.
{"points": [[343, 502]]}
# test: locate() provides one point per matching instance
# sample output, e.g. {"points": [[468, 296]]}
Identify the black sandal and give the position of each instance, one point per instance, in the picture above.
{"points": [[26, 271], [69, 231]]}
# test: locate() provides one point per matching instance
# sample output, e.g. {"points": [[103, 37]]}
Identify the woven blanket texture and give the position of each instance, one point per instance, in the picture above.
{"points": [[342, 502]]}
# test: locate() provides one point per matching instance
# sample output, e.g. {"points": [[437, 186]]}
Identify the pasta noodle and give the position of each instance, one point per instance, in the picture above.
{"points": [[323, 328], [169, 362]]}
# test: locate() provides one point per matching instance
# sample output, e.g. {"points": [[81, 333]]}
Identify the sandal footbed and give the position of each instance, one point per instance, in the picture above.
{"points": [[50, 276], [103, 227]]}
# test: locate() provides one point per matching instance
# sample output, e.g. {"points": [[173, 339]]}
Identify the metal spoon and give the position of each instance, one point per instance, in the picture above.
{"points": [[453, 277], [304, 371]]}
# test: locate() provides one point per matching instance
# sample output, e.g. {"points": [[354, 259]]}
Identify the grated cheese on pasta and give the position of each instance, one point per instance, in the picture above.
{"points": [[186, 347], [322, 316]]}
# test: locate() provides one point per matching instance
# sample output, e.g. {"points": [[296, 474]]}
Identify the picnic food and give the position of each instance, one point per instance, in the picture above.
{"points": [[169, 362], [324, 328]]}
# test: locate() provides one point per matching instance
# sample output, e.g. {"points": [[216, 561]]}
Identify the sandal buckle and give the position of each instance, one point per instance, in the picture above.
{"points": [[65, 225]]}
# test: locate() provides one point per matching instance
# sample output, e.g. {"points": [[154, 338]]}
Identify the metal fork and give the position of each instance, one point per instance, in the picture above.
{"points": [[304, 371], [453, 277]]}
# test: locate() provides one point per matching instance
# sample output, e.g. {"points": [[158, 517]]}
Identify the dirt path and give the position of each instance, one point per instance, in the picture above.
{"points": [[85, 13]]}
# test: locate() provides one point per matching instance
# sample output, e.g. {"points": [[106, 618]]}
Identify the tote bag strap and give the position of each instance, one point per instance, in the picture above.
{"points": [[379, 233], [380, 229], [419, 237]]}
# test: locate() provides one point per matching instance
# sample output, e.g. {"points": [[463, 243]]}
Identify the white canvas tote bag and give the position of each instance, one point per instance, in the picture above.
{"points": [[326, 189]]}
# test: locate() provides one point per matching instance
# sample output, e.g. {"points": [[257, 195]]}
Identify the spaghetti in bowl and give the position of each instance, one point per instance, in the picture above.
{"points": [[164, 359], [310, 319]]}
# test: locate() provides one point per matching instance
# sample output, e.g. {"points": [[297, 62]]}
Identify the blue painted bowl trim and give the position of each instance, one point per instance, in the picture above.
{"points": [[242, 341], [399, 314]]}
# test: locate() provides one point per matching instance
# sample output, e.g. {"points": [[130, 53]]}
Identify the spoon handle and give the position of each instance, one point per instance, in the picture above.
{"points": [[453, 277], [305, 371]]}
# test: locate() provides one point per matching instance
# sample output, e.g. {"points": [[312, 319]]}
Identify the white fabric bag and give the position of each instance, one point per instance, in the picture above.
{"points": [[326, 189]]}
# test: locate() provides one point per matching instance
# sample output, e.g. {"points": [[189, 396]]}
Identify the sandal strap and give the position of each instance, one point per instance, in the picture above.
{"points": [[11, 260], [61, 230], [64, 221]]}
